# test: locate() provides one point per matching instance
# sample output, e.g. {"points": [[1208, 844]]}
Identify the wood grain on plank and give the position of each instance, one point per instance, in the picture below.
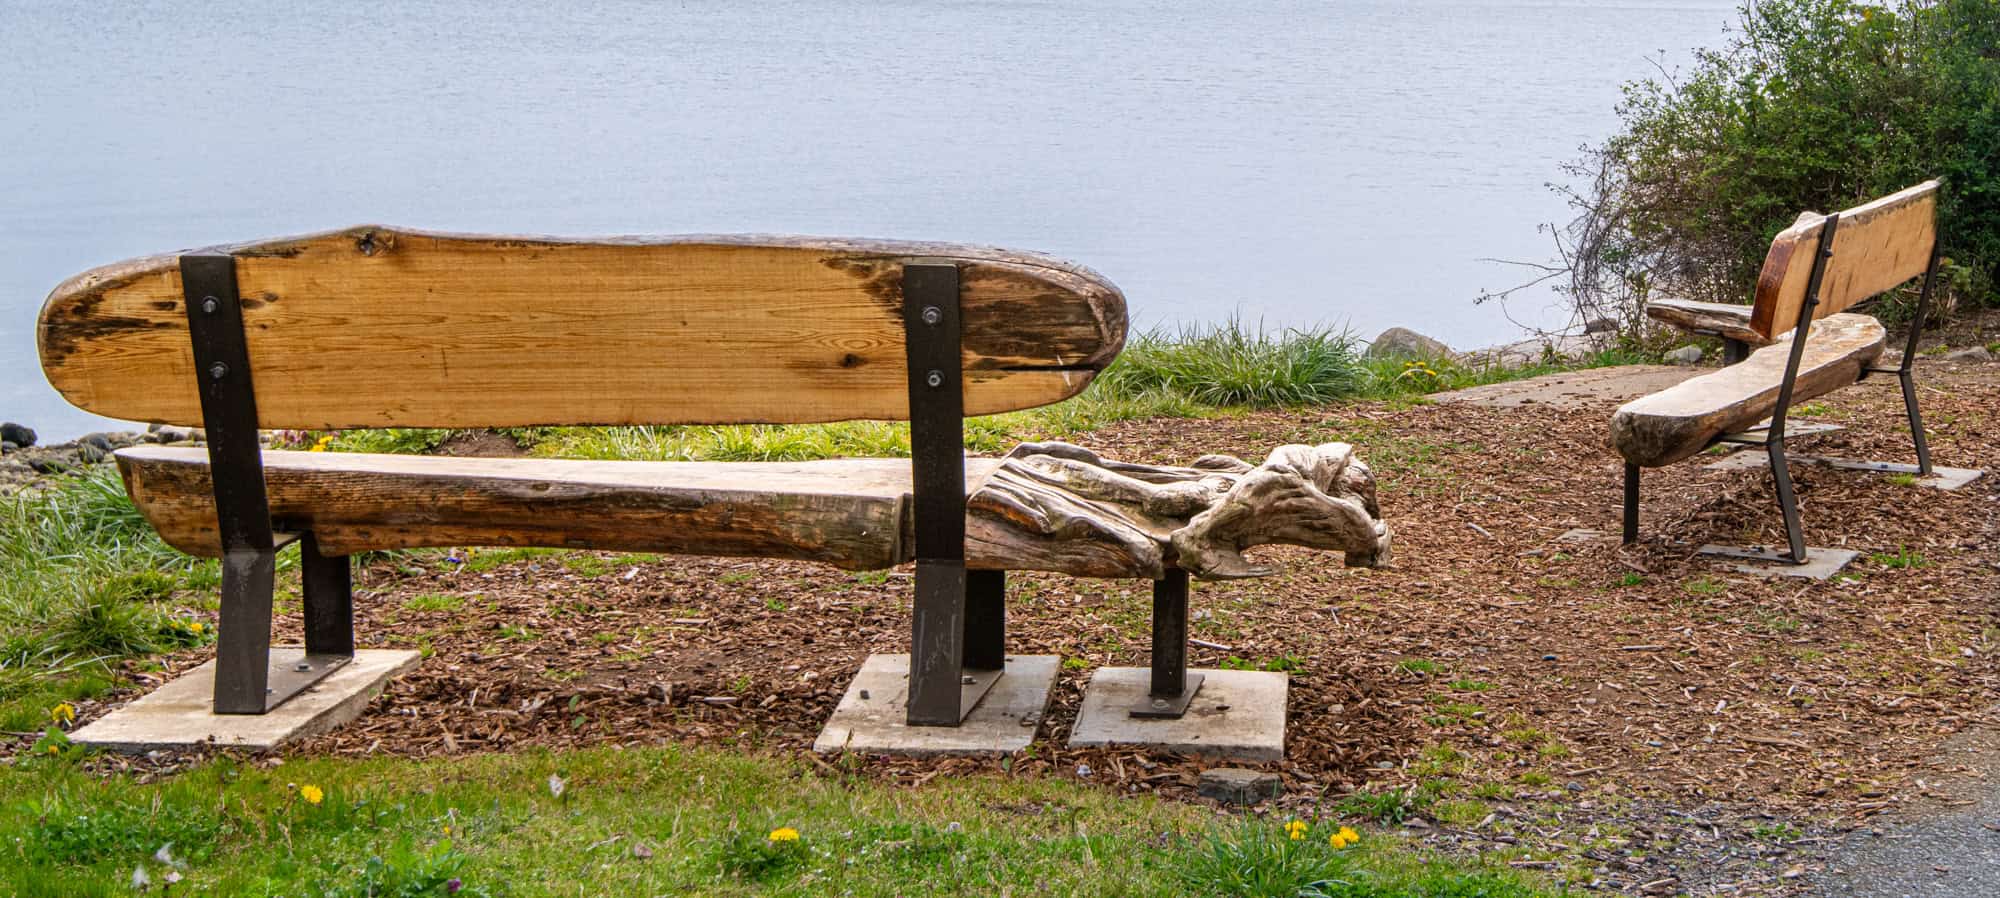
{"points": [[850, 513], [1681, 421], [376, 327], [1877, 245]]}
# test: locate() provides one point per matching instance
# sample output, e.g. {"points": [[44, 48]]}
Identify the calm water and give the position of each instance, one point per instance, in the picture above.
{"points": [[1291, 162]]}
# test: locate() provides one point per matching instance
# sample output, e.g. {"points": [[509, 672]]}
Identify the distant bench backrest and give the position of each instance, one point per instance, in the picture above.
{"points": [[1876, 246], [377, 327]]}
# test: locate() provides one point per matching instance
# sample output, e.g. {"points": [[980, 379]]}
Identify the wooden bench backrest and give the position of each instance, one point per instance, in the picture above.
{"points": [[1876, 246], [377, 327]]}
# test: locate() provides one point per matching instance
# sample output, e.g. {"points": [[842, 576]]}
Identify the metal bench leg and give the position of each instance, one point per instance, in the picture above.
{"points": [[243, 639], [1631, 503], [942, 689], [1173, 688], [937, 645], [1909, 379], [1788, 502], [985, 620], [247, 681], [329, 600]]}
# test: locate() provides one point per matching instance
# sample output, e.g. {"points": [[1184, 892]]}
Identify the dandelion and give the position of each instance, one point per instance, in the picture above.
{"points": [[321, 444], [312, 794], [555, 785], [140, 880], [196, 627], [166, 855], [55, 749], [1296, 829], [784, 834], [63, 713], [1345, 837]]}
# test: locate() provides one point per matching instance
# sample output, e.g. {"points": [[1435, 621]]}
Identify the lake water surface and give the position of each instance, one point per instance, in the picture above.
{"points": [[1293, 162]]}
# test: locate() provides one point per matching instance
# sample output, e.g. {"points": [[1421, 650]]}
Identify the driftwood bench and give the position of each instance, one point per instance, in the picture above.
{"points": [[1795, 342], [375, 327]]}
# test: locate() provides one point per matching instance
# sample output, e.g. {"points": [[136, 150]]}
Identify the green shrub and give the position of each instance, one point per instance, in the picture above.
{"points": [[1813, 105]]}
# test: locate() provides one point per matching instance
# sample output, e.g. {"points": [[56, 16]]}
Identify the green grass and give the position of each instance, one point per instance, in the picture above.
{"points": [[1904, 558], [664, 821], [85, 584]]}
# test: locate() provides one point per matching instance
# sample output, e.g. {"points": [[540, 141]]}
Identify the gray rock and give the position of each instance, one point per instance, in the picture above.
{"points": [[1405, 343], [1686, 355], [19, 435], [98, 441], [1601, 326], [91, 453], [167, 433], [6, 447], [1973, 354], [46, 465], [1236, 785]]}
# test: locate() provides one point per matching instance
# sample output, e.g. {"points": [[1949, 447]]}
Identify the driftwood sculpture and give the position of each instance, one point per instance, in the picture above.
{"points": [[1059, 507]]}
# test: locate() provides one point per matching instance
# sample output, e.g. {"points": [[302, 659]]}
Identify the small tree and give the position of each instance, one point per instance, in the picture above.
{"points": [[1813, 105]]}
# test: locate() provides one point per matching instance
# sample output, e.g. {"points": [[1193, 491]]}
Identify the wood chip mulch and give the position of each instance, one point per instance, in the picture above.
{"points": [[1663, 695]]}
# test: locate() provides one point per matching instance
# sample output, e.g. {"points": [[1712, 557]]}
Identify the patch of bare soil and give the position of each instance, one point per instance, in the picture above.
{"points": [[1646, 713]]}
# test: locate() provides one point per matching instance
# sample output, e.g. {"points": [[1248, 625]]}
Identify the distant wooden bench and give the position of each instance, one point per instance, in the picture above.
{"points": [[375, 327], [1796, 342]]}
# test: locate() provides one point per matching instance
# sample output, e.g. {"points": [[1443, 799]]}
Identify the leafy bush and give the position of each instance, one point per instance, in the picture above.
{"points": [[1813, 105]]}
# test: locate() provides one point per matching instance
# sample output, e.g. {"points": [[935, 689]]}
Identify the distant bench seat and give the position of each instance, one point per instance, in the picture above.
{"points": [[1682, 420]]}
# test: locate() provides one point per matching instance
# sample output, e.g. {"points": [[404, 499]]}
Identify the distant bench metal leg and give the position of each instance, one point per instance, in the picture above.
{"points": [[1173, 688], [1631, 503]]}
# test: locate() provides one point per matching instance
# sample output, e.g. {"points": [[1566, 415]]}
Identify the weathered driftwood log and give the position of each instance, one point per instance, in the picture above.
{"points": [[1059, 507], [1719, 319], [1048, 507], [1678, 422]]}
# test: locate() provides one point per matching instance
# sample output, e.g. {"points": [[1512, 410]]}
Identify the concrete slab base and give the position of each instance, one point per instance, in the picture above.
{"points": [[1238, 714], [178, 715], [869, 718], [1820, 563], [1941, 478], [1580, 536]]}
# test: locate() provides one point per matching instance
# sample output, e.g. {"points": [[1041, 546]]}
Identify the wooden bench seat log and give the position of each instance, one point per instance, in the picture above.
{"points": [[379, 327], [1810, 345]]}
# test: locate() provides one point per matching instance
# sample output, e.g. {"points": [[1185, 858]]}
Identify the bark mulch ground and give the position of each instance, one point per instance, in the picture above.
{"points": [[1641, 718]]}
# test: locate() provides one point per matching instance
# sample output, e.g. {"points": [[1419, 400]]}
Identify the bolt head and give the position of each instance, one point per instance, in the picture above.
{"points": [[218, 371], [935, 379], [1159, 704], [304, 665], [209, 304], [965, 681], [933, 315]]}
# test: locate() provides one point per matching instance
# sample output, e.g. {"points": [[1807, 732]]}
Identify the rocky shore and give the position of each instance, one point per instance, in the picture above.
{"points": [[23, 460]]}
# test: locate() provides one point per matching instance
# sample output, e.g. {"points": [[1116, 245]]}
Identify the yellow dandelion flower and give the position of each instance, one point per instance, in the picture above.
{"points": [[321, 444], [63, 712], [784, 834], [312, 794], [1296, 829], [55, 749]]}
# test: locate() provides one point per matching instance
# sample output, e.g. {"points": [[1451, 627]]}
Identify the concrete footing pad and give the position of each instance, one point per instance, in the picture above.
{"points": [[870, 716], [1238, 714], [1820, 563], [1941, 478], [179, 716]]}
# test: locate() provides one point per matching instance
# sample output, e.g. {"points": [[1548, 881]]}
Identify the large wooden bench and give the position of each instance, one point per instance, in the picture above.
{"points": [[377, 327], [1797, 341]]}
